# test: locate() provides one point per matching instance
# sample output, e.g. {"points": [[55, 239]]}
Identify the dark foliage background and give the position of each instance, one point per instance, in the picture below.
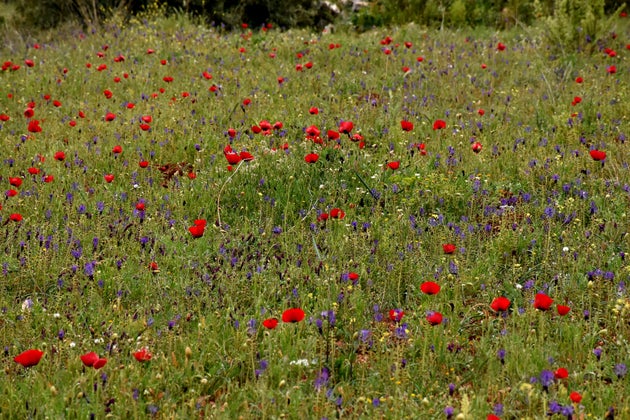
{"points": [[47, 14]]}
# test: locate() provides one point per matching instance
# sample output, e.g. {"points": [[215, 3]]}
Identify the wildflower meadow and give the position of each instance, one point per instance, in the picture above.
{"points": [[264, 223]]}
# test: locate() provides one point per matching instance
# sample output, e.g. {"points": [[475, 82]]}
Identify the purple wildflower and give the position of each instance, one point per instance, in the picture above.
{"points": [[620, 370], [501, 356], [546, 379], [321, 381]]}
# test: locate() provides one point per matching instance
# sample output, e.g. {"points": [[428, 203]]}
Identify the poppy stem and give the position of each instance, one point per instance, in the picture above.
{"points": [[366, 185], [319, 255], [221, 191]]}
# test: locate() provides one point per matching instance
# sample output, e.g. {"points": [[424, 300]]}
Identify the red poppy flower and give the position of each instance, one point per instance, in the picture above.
{"points": [[322, 217], [145, 127], [59, 156], [396, 314], [196, 231], [232, 157], [29, 63], [29, 357], [108, 93], [4, 117], [56, 104], [15, 217], [311, 158], [89, 359], [33, 126], [356, 137], [493, 417], [353, 277], [167, 79], [337, 213], [481, 112], [293, 315], [33, 171], [393, 165], [476, 147], [449, 248], [246, 156], [346, 127], [434, 318], [200, 222], [579, 79], [231, 132], [143, 163], [563, 309], [48, 179], [408, 44], [247, 101], [140, 206], [117, 149], [270, 323], [500, 46], [72, 123], [561, 373], [439, 124], [309, 65], [611, 70], [542, 301], [500, 304], [597, 155], [313, 110], [108, 178], [11, 193], [153, 266], [576, 100], [143, 355], [406, 125], [430, 288], [575, 397], [110, 116], [15, 181], [100, 363], [278, 125], [206, 75], [332, 135], [312, 131]]}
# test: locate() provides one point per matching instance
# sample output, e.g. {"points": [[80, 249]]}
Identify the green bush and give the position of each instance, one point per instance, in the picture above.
{"points": [[577, 25]]}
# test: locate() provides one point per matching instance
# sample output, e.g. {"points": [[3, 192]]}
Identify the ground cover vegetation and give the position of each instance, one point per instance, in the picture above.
{"points": [[405, 223]]}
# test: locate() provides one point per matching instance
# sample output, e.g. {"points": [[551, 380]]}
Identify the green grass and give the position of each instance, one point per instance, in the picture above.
{"points": [[532, 212]]}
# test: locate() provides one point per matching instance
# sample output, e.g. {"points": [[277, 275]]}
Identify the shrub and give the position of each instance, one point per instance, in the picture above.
{"points": [[48, 14], [577, 25]]}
